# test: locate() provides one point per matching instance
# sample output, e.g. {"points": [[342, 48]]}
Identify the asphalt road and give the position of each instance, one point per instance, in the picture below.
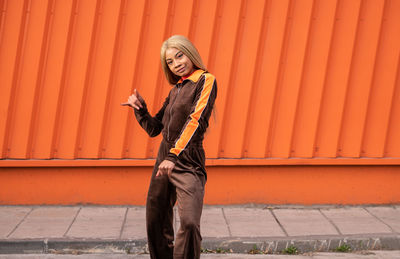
{"points": [[358, 255]]}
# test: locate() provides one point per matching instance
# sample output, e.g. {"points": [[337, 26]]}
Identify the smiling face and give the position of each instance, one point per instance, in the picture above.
{"points": [[178, 63]]}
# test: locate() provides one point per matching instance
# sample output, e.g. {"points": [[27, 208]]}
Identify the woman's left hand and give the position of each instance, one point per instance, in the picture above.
{"points": [[165, 168]]}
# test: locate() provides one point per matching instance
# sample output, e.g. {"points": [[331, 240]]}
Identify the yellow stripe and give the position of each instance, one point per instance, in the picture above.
{"points": [[193, 124]]}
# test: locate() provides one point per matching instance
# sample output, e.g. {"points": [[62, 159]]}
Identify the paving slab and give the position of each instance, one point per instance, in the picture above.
{"points": [[389, 215], [46, 222], [304, 222], [252, 222], [135, 224], [10, 217], [98, 222], [355, 221], [213, 223]]}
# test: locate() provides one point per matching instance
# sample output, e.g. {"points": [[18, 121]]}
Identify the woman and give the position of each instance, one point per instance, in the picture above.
{"points": [[179, 173]]}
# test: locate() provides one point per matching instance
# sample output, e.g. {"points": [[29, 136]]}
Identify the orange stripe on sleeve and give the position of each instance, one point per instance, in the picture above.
{"points": [[193, 124]]}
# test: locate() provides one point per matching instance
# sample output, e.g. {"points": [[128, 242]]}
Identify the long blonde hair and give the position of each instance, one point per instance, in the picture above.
{"points": [[186, 46]]}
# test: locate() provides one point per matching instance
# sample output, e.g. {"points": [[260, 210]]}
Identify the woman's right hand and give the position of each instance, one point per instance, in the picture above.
{"points": [[135, 101]]}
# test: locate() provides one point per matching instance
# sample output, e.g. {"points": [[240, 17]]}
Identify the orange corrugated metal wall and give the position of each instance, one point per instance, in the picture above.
{"points": [[311, 79], [300, 78]]}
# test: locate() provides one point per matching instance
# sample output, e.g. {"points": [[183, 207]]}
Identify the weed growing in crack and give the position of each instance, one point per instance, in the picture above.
{"points": [[216, 251], [345, 248], [291, 250], [255, 250]]}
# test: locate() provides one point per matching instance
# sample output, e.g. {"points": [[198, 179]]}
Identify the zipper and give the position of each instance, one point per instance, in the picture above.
{"points": [[170, 112]]}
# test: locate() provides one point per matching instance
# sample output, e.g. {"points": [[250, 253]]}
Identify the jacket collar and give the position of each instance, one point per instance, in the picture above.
{"points": [[194, 77]]}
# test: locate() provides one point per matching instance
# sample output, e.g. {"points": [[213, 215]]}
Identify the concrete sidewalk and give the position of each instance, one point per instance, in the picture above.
{"points": [[237, 229]]}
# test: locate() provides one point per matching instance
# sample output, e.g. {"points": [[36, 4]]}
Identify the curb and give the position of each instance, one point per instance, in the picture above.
{"points": [[73, 246], [221, 245], [303, 244]]}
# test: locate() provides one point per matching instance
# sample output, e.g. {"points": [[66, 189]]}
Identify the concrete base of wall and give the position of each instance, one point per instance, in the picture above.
{"points": [[226, 185]]}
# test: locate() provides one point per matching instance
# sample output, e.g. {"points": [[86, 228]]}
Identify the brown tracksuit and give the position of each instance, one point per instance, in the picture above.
{"points": [[183, 120]]}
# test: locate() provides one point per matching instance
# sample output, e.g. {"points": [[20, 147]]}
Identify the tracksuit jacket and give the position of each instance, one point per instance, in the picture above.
{"points": [[183, 120]]}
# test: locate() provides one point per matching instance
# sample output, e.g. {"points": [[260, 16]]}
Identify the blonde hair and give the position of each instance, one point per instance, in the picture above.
{"points": [[186, 46]]}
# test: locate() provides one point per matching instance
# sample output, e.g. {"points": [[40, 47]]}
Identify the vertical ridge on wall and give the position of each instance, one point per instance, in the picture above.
{"points": [[3, 8], [231, 82], [269, 71], [194, 15], [87, 79], [323, 79], [115, 135], [37, 97], [99, 78], [12, 76], [66, 64], [53, 78], [87, 142], [348, 85], [77, 80], [229, 17], [238, 99], [33, 75], [235, 116], [383, 86], [255, 82], [296, 79], [315, 69], [291, 78], [215, 32], [361, 75], [139, 57], [9, 48], [337, 78], [392, 146], [374, 75], [27, 68], [278, 81], [112, 80], [306, 57]]}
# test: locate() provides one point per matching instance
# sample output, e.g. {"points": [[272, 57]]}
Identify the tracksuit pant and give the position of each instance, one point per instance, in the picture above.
{"points": [[185, 187]]}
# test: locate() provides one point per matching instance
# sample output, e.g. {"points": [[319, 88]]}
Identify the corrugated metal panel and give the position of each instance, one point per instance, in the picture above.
{"points": [[297, 78]]}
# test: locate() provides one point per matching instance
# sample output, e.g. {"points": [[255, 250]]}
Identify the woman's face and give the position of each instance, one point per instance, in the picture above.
{"points": [[178, 63]]}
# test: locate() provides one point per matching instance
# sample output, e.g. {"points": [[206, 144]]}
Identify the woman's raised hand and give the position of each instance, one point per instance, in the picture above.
{"points": [[135, 101]]}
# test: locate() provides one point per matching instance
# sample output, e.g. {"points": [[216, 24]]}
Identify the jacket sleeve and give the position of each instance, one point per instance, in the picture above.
{"points": [[198, 118], [152, 125]]}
